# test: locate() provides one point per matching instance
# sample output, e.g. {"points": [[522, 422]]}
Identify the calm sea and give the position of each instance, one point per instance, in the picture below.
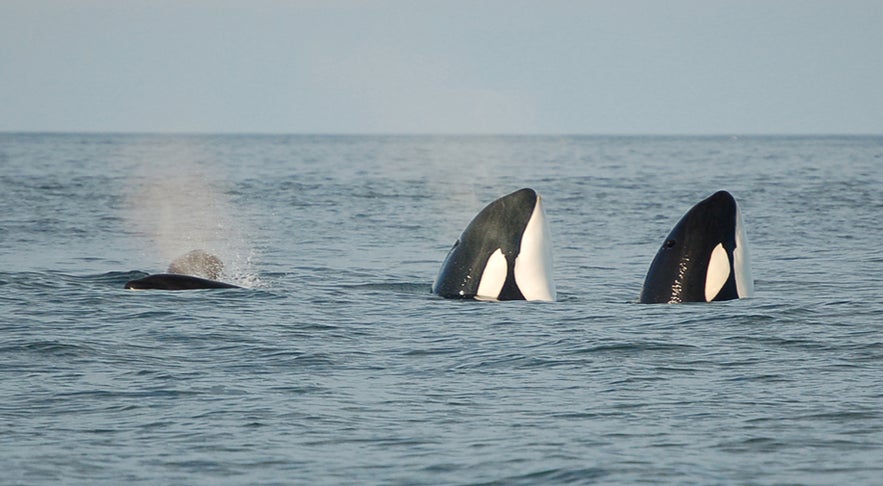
{"points": [[337, 366]]}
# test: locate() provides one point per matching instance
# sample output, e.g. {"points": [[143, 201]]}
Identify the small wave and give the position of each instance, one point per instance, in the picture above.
{"points": [[394, 287], [630, 348], [48, 348], [114, 278], [554, 476], [56, 280]]}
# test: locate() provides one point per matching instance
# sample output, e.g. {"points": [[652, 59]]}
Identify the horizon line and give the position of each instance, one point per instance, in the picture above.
{"points": [[436, 134]]}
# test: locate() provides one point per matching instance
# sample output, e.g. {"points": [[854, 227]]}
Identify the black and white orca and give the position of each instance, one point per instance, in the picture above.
{"points": [[505, 253], [704, 258], [191, 271]]}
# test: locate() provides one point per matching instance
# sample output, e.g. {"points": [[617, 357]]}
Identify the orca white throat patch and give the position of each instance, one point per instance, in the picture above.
{"points": [[533, 266], [741, 262]]}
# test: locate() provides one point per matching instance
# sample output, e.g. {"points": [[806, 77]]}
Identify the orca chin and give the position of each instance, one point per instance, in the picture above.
{"points": [[173, 281], [505, 253], [704, 258]]}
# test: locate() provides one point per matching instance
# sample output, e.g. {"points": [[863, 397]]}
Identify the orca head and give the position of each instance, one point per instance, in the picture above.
{"points": [[505, 253], [704, 258]]}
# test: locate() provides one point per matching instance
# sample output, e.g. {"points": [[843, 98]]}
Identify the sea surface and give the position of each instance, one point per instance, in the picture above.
{"points": [[336, 365]]}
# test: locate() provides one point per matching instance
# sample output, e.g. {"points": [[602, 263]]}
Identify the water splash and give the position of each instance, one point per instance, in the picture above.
{"points": [[178, 207]]}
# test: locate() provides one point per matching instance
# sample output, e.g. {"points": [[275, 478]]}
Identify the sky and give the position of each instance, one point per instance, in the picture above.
{"points": [[446, 67]]}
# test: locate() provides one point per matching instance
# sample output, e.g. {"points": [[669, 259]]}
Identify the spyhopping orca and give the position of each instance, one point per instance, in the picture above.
{"points": [[194, 270], [704, 258], [504, 254]]}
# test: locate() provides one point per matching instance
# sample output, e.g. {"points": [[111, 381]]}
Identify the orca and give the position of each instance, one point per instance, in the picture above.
{"points": [[176, 281], [704, 258], [505, 253], [191, 271]]}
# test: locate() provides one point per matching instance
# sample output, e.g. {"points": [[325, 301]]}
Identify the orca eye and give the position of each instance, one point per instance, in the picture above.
{"points": [[669, 243]]}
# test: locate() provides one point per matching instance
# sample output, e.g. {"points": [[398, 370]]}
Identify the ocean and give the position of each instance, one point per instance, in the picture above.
{"points": [[336, 365]]}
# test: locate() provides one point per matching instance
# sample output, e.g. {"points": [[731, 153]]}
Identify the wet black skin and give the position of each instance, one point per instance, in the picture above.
{"points": [[173, 281], [678, 272], [500, 225]]}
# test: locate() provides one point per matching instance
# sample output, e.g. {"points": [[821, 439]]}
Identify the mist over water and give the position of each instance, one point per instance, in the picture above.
{"points": [[182, 212], [337, 365], [178, 203]]}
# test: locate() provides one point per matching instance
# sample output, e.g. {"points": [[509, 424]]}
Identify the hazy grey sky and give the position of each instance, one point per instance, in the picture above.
{"points": [[495, 66]]}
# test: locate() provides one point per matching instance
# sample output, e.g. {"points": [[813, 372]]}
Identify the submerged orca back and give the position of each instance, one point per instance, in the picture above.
{"points": [[173, 281]]}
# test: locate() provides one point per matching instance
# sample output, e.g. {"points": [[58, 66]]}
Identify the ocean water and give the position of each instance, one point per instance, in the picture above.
{"points": [[337, 366]]}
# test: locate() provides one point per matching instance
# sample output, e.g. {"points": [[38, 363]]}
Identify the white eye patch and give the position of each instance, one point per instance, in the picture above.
{"points": [[493, 277], [718, 272]]}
